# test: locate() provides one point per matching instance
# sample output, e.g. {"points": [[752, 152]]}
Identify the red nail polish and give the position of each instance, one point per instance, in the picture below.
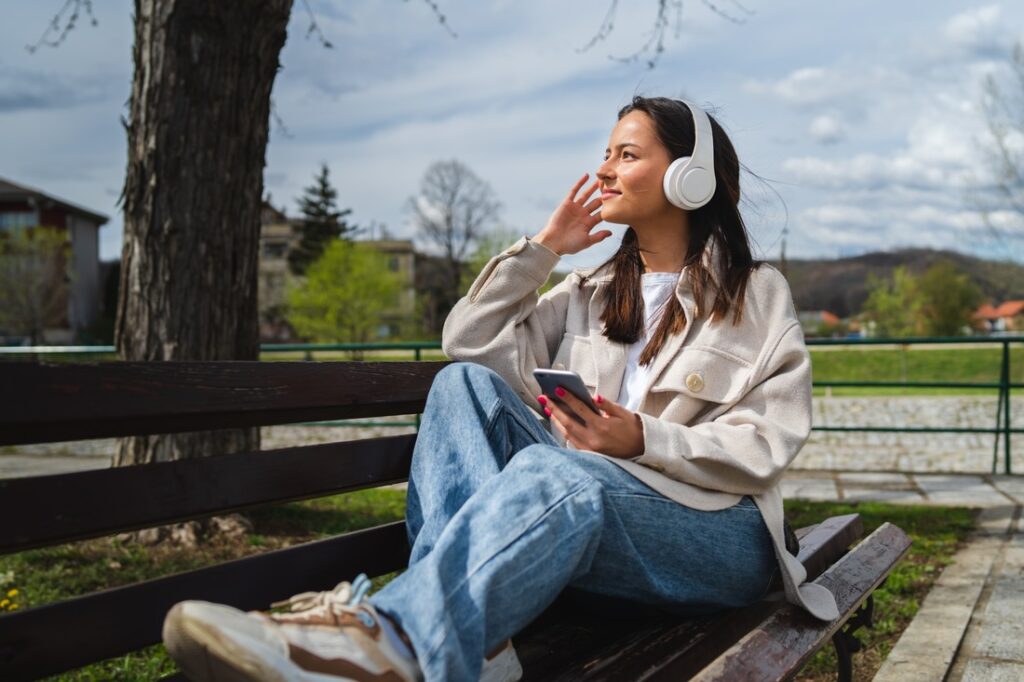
{"points": [[547, 411], [559, 391], [599, 400], [543, 400]]}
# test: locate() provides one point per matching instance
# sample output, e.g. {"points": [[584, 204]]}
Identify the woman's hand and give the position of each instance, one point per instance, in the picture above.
{"points": [[568, 229], [615, 432]]}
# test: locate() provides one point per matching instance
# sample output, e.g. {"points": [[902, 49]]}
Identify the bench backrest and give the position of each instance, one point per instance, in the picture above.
{"points": [[51, 403], [63, 402]]}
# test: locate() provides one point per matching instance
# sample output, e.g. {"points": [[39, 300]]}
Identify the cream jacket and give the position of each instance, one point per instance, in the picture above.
{"points": [[727, 409]]}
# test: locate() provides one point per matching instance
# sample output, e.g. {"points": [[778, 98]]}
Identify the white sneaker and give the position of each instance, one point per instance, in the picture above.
{"points": [[503, 667], [326, 636]]}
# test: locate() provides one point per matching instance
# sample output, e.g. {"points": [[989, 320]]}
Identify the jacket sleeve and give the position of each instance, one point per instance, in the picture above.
{"points": [[503, 324], [746, 449]]}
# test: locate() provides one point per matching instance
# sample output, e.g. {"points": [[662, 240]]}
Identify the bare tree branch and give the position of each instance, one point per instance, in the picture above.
{"points": [[1003, 108], [278, 122], [441, 18], [726, 15], [314, 28], [63, 23], [452, 210], [654, 46], [605, 29], [656, 39]]}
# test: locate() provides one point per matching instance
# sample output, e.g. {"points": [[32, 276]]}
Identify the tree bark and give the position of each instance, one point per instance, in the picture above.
{"points": [[197, 139]]}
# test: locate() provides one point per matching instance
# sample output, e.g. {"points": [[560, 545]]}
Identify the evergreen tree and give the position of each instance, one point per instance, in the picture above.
{"points": [[321, 222]]}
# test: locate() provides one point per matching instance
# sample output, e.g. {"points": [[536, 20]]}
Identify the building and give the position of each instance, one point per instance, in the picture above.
{"points": [[1006, 317], [22, 206], [401, 258], [818, 322], [278, 234]]}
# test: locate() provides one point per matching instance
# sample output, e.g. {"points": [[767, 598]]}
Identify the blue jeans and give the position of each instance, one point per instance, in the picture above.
{"points": [[501, 520]]}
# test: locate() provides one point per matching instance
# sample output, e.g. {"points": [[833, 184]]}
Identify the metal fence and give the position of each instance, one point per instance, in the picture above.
{"points": [[1003, 425], [1004, 386]]}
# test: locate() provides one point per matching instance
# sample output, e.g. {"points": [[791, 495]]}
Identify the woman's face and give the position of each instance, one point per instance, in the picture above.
{"points": [[632, 172]]}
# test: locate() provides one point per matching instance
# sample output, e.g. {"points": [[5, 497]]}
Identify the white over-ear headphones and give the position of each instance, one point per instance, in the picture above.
{"points": [[689, 182]]}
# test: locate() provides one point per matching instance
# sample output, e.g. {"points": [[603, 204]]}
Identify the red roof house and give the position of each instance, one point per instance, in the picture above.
{"points": [[1007, 316]]}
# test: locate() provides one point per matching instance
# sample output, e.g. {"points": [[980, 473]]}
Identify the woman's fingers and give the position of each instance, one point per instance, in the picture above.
{"points": [[574, 404], [589, 192], [560, 418], [576, 188], [611, 407], [593, 206]]}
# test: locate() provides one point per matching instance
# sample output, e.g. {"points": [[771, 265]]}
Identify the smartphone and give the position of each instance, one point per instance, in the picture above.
{"points": [[550, 379]]}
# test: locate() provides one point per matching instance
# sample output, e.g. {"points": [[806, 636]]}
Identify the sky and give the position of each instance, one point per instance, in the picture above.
{"points": [[860, 123]]}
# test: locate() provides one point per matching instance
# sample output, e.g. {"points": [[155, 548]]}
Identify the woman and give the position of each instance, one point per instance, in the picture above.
{"points": [[667, 498]]}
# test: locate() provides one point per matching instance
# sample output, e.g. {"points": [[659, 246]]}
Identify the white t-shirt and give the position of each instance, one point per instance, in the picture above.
{"points": [[657, 288]]}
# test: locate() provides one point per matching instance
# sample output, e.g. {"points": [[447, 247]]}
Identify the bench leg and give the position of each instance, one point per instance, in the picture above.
{"points": [[845, 640]]}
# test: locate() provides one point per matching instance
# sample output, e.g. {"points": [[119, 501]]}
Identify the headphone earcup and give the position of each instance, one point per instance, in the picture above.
{"points": [[687, 186]]}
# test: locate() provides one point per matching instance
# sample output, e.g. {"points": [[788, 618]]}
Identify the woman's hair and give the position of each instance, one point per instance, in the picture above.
{"points": [[717, 224]]}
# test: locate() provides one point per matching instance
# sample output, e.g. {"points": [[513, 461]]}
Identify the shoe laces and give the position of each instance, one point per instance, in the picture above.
{"points": [[344, 595]]}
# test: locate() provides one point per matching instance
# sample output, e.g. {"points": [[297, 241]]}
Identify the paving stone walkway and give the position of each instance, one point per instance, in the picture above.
{"points": [[967, 490], [923, 452], [971, 625]]}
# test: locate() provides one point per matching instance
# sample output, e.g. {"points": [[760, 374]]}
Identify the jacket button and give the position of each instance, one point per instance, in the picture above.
{"points": [[695, 382]]}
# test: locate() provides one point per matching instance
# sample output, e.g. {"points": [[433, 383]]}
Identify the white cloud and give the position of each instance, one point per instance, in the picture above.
{"points": [[837, 85], [979, 27], [838, 229], [827, 129], [903, 151]]}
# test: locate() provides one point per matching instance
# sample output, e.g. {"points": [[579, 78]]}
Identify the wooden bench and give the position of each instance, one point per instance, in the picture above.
{"points": [[62, 402]]}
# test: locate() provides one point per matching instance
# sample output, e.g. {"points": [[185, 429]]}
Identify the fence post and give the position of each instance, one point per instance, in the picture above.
{"points": [[418, 358], [1006, 405]]}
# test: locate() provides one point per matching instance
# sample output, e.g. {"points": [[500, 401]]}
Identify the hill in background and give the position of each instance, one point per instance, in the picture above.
{"points": [[840, 286]]}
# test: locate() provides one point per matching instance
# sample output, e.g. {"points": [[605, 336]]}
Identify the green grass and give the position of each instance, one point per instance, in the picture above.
{"points": [[346, 356], [855, 363], [867, 363], [891, 391], [936, 533], [55, 573]]}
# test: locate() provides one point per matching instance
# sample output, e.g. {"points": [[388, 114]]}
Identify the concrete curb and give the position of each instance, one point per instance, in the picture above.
{"points": [[929, 646]]}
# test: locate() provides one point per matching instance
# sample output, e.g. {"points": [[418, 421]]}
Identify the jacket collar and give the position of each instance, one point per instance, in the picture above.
{"points": [[611, 355]]}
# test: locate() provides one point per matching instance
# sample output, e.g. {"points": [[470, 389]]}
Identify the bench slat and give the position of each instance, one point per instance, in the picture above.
{"points": [[570, 644], [790, 637], [66, 507], [822, 544], [69, 634], [45, 403]]}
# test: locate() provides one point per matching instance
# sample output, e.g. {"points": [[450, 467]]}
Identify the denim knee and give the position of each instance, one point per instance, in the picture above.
{"points": [[453, 384], [559, 463]]}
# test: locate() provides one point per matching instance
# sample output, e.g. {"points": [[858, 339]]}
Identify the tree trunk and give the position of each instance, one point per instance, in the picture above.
{"points": [[196, 143]]}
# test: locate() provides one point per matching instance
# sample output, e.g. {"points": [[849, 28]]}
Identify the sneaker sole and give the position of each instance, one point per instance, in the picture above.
{"points": [[504, 667], [203, 655]]}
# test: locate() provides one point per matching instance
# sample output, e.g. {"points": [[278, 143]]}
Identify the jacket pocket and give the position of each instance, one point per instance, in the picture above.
{"points": [[706, 374], [576, 354]]}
